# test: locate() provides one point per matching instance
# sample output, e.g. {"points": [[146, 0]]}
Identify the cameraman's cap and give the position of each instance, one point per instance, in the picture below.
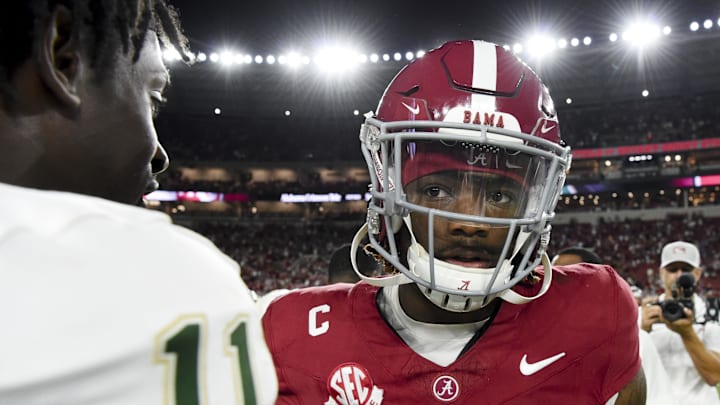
{"points": [[680, 252]]}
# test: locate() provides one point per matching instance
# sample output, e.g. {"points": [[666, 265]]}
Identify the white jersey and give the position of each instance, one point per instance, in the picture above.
{"points": [[659, 388], [103, 303], [687, 384]]}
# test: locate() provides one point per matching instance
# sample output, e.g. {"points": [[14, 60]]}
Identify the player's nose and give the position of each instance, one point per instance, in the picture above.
{"points": [[160, 161]]}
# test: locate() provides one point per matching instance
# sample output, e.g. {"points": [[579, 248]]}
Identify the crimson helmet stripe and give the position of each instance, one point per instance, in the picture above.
{"points": [[484, 75]]}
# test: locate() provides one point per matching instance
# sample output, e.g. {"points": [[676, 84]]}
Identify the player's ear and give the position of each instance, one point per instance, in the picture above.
{"points": [[59, 58], [697, 273]]}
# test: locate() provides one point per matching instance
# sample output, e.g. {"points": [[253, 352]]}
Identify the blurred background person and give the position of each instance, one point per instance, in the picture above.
{"points": [[688, 345], [573, 255]]}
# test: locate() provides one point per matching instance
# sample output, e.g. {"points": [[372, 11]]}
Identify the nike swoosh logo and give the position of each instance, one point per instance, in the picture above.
{"points": [[532, 368], [545, 130], [415, 110]]}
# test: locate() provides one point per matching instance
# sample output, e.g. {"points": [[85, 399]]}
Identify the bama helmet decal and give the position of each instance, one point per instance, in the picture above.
{"points": [[351, 384]]}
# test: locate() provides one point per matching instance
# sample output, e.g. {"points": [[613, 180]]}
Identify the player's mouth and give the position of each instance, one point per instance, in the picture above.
{"points": [[152, 186]]}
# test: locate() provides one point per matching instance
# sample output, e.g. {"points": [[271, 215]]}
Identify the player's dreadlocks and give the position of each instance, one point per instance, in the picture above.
{"points": [[104, 25]]}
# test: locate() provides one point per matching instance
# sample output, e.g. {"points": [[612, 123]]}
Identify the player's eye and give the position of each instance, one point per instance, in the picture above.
{"points": [[501, 197], [157, 102], [436, 192]]}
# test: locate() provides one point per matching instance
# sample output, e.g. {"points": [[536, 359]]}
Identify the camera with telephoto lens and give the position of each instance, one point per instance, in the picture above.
{"points": [[674, 309]]}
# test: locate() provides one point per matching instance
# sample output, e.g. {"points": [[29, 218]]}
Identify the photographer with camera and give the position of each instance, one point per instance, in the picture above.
{"points": [[688, 345]]}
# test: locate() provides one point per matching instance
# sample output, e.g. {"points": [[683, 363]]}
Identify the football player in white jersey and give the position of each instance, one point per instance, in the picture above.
{"points": [[103, 302]]}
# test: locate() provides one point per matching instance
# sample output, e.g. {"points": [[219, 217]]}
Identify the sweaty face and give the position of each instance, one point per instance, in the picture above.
{"points": [[465, 242], [111, 150]]}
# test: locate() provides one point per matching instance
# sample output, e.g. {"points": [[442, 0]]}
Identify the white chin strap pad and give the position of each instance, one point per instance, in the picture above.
{"points": [[395, 279], [515, 298]]}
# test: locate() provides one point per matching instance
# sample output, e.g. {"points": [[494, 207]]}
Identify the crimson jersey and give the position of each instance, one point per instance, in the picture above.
{"points": [[578, 344]]}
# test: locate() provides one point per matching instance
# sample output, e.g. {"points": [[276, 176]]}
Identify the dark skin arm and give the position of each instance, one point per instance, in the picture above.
{"points": [[635, 392]]}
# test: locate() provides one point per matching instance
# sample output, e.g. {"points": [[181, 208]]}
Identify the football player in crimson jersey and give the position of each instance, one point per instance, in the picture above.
{"points": [[103, 302], [466, 164]]}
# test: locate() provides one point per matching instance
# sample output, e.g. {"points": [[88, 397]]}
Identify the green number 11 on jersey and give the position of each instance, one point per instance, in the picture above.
{"points": [[182, 348]]}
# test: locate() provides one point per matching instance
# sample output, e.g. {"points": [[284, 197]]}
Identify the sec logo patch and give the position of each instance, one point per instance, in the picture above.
{"points": [[351, 384]]}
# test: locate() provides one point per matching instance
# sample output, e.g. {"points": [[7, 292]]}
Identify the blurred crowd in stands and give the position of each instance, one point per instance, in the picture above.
{"points": [[279, 255], [641, 122], [629, 200], [296, 254], [632, 246]]}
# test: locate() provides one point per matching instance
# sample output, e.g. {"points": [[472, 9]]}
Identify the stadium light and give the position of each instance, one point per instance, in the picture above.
{"points": [[409, 56], [201, 57], [217, 111], [667, 29], [562, 43], [226, 58], [270, 59], [613, 37], [258, 59], [294, 59], [645, 93], [517, 48], [568, 100], [587, 41], [374, 58], [641, 34], [214, 57], [694, 26], [397, 56], [420, 54], [707, 24], [386, 57], [336, 59], [574, 42], [540, 46], [239, 58], [248, 59], [287, 113]]}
